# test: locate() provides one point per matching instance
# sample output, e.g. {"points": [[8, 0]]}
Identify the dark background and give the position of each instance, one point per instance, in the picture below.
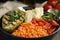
{"points": [[23, 0]]}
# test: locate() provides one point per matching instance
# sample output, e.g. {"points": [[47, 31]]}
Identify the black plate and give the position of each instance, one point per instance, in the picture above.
{"points": [[11, 37]]}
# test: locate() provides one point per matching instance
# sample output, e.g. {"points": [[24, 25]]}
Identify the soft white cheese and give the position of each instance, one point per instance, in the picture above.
{"points": [[39, 12], [29, 15]]}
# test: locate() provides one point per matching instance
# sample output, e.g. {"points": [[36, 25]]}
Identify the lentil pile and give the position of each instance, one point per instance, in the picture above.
{"points": [[30, 30]]}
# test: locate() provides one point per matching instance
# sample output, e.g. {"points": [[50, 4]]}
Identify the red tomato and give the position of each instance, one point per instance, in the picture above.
{"points": [[58, 6], [58, 3], [54, 23], [47, 6], [44, 21], [34, 21], [52, 2], [41, 20], [41, 24], [47, 26], [51, 30]]}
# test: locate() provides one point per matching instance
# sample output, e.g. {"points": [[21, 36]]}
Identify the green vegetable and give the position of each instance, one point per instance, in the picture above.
{"points": [[15, 18], [51, 15], [48, 16]]}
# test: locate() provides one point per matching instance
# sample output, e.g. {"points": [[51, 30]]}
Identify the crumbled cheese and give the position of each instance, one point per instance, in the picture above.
{"points": [[29, 15], [39, 12]]}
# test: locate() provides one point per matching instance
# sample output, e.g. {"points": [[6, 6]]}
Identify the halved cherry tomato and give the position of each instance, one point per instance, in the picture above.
{"points": [[37, 19], [41, 24], [34, 21], [54, 23], [47, 6], [58, 3], [44, 21], [47, 26], [52, 2], [51, 30], [58, 6]]}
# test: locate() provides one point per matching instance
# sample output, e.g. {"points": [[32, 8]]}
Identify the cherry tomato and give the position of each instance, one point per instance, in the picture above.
{"points": [[53, 23], [47, 6], [58, 6], [51, 30], [52, 2], [41, 24], [44, 21], [47, 26], [58, 3], [34, 21]]}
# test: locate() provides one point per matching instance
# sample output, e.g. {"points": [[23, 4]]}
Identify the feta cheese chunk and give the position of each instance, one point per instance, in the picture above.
{"points": [[29, 15], [39, 12]]}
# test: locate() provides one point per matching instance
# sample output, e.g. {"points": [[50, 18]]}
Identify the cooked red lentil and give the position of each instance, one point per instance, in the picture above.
{"points": [[29, 30]]}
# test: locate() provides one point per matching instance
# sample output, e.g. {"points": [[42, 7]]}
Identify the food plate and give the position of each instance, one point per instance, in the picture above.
{"points": [[7, 33]]}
